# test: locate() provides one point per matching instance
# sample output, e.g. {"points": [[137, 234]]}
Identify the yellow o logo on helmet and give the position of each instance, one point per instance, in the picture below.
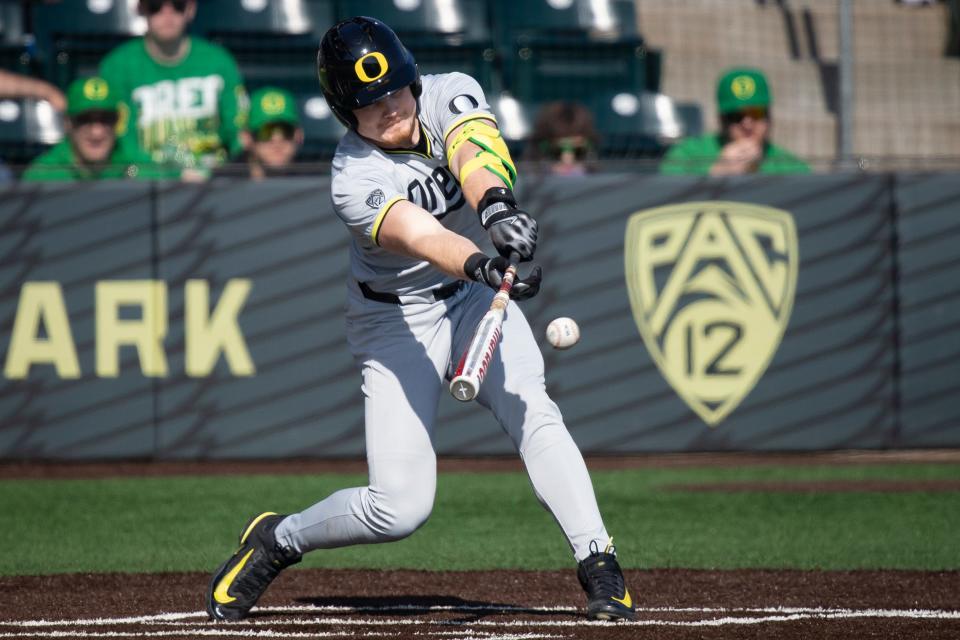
{"points": [[364, 63], [743, 87], [96, 89]]}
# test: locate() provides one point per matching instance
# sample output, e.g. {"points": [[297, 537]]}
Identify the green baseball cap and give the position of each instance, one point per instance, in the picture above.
{"points": [[89, 94], [739, 88], [272, 105]]}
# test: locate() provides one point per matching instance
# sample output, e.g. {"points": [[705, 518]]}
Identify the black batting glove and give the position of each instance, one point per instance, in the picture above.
{"points": [[489, 271], [512, 230]]}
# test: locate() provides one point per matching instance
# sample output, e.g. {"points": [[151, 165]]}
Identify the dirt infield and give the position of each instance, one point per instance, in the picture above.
{"points": [[498, 605], [494, 604]]}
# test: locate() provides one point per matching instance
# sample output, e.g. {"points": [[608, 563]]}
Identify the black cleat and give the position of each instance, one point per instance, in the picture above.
{"points": [[607, 595], [241, 580]]}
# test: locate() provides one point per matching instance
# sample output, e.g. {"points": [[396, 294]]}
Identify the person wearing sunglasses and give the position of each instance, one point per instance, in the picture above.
{"points": [[186, 97], [743, 144], [91, 150], [564, 139], [274, 134]]}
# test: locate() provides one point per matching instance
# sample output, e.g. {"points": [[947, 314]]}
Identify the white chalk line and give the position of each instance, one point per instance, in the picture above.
{"points": [[249, 633], [195, 624]]}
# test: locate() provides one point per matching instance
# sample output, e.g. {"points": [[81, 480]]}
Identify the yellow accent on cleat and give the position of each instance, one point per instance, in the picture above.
{"points": [[627, 601], [254, 523], [221, 594]]}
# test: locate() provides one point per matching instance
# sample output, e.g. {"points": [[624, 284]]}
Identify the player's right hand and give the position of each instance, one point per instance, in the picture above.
{"points": [[514, 231], [489, 271]]}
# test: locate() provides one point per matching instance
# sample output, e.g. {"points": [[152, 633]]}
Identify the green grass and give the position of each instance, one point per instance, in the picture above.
{"points": [[493, 521]]}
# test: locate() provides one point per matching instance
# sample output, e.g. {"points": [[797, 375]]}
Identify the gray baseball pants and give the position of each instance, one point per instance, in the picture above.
{"points": [[406, 353]]}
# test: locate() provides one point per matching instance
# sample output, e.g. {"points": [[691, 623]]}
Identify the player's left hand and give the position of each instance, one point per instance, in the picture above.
{"points": [[491, 270], [514, 231]]}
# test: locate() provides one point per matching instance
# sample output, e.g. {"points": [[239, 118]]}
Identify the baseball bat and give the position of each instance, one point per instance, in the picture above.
{"points": [[476, 359]]}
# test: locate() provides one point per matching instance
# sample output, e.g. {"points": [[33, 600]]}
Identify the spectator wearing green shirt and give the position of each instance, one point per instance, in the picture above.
{"points": [[742, 146], [90, 150], [275, 134], [186, 100]]}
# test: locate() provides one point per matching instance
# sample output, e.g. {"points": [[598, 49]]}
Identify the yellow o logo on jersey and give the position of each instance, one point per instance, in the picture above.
{"points": [[372, 66], [96, 89], [743, 87], [273, 103]]}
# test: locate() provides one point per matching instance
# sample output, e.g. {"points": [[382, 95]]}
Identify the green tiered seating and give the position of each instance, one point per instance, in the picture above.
{"points": [[27, 128], [275, 44], [571, 49], [443, 36], [72, 39]]}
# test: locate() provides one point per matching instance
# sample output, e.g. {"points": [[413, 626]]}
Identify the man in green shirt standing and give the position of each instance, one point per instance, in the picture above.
{"points": [[186, 100], [742, 146], [90, 151]]}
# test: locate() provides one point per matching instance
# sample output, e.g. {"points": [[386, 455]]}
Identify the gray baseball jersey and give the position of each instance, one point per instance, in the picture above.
{"points": [[406, 350], [368, 180]]}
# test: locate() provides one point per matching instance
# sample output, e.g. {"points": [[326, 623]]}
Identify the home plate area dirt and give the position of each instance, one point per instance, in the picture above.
{"points": [[312, 603]]}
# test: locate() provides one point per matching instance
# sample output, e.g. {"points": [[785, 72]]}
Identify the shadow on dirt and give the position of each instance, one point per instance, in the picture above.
{"points": [[418, 605]]}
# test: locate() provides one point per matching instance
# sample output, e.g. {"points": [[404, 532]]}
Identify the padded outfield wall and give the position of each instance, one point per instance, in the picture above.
{"points": [[763, 313]]}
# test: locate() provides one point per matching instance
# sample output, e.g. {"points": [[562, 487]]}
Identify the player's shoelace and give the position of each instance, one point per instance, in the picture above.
{"points": [[603, 578], [262, 573]]}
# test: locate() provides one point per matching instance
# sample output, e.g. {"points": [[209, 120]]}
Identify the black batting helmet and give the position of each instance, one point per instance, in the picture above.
{"points": [[360, 61]]}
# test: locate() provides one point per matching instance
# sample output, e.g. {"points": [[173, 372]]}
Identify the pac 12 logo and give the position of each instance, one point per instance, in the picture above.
{"points": [[711, 286]]}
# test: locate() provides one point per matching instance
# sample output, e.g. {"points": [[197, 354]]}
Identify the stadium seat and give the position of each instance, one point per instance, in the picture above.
{"points": [[454, 22], [570, 49], [15, 52], [74, 36], [543, 71], [273, 41], [27, 128], [514, 119], [443, 35], [289, 18], [322, 131], [532, 20], [640, 124]]}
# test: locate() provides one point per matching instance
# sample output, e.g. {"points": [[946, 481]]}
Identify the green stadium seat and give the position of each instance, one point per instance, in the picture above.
{"points": [[443, 36], [452, 22], [570, 49], [273, 41], [73, 38], [14, 53], [322, 131], [27, 128], [263, 17], [532, 20], [514, 119], [543, 71], [640, 124]]}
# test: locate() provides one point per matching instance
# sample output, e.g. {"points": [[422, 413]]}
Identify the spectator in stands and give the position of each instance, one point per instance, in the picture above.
{"points": [[90, 150], [564, 139], [13, 85], [275, 134], [186, 99], [742, 146]]}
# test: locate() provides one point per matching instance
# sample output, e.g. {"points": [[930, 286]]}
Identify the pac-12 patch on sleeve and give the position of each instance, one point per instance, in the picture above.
{"points": [[376, 199]]}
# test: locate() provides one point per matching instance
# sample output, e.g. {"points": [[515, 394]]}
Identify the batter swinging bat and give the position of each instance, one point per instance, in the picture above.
{"points": [[476, 359]]}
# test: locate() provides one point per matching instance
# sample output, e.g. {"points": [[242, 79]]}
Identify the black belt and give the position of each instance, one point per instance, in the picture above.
{"points": [[440, 293]]}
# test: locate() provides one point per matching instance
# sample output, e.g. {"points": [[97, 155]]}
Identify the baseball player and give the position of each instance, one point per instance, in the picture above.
{"points": [[421, 156]]}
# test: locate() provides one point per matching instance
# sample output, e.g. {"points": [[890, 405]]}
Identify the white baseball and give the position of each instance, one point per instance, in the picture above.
{"points": [[563, 333]]}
